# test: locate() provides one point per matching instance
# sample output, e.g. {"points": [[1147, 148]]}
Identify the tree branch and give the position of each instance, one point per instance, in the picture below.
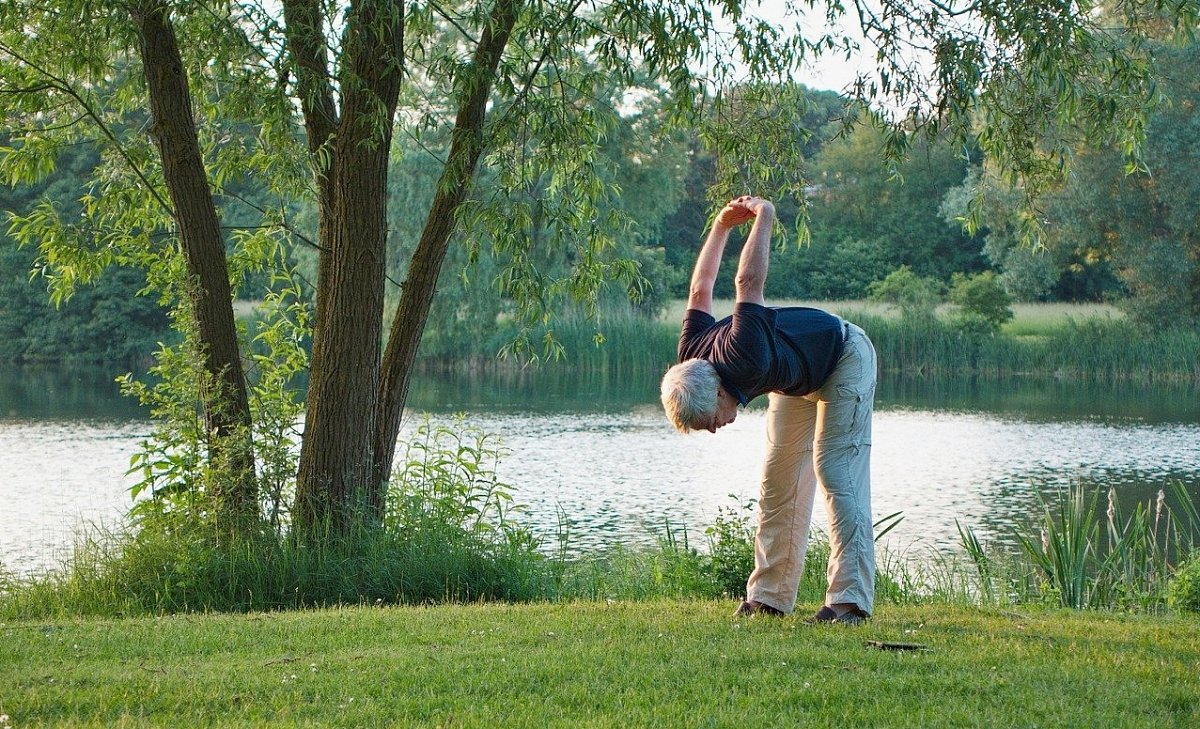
{"points": [[446, 16], [89, 112], [303, 27], [283, 224]]}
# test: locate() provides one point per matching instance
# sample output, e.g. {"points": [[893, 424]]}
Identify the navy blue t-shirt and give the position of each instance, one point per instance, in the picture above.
{"points": [[762, 349]]}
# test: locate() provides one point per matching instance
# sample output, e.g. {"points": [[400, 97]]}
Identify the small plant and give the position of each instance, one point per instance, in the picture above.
{"points": [[1065, 550], [982, 562], [1184, 590], [452, 519], [731, 546]]}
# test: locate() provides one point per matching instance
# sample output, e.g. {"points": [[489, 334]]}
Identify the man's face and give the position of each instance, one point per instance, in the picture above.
{"points": [[726, 412]]}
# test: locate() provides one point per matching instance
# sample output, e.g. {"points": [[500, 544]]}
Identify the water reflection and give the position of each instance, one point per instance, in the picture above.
{"points": [[1045, 399], [58, 393], [550, 389], [597, 450]]}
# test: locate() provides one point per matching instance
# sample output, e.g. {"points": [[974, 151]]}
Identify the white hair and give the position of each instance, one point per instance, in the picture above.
{"points": [[689, 393]]}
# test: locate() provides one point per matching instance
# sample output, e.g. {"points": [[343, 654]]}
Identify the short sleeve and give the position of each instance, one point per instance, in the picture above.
{"points": [[695, 324]]}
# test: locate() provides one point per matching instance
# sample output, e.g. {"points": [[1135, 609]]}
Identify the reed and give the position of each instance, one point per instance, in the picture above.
{"points": [[621, 341], [1085, 342], [1091, 349], [1067, 551], [614, 341], [1080, 557]]}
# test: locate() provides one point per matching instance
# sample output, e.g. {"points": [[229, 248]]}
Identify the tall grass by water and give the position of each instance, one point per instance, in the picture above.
{"points": [[615, 341], [1079, 341], [1092, 350], [1081, 557], [1073, 557]]}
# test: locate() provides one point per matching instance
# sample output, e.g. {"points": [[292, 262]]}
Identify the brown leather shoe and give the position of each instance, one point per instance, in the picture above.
{"points": [[751, 608]]}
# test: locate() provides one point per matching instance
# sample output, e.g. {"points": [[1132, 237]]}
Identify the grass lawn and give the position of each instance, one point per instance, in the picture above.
{"points": [[660, 664]]}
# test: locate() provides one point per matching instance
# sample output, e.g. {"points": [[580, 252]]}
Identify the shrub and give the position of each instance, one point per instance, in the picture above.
{"points": [[731, 547], [1184, 590], [983, 304], [916, 296]]}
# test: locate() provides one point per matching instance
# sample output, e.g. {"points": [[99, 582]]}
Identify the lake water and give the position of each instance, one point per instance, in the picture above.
{"points": [[597, 450]]}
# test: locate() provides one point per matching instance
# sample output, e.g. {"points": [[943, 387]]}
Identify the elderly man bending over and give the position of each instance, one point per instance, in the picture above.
{"points": [[818, 372]]}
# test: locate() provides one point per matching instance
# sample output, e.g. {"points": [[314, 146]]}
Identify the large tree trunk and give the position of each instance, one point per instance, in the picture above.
{"points": [[226, 404], [333, 485], [409, 322]]}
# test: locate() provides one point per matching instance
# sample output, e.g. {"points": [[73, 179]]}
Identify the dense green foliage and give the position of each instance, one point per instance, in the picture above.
{"points": [[870, 218], [1100, 240], [1108, 231], [916, 296], [109, 321], [1185, 587], [983, 304]]}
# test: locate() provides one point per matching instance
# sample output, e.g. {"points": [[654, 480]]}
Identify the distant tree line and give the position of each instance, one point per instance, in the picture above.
{"points": [[1106, 234]]}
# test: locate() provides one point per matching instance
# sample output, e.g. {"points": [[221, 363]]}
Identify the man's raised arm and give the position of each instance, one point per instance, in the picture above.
{"points": [[751, 278], [704, 275]]}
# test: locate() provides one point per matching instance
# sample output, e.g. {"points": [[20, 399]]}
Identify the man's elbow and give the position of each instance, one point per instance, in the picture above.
{"points": [[750, 285]]}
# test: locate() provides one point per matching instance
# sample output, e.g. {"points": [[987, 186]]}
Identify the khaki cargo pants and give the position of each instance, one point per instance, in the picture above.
{"points": [[823, 438]]}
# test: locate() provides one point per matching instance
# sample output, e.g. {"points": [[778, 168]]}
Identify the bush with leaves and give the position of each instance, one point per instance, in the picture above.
{"points": [[917, 296], [1184, 590], [176, 478], [983, 304], [450, 512], [731, 547]]}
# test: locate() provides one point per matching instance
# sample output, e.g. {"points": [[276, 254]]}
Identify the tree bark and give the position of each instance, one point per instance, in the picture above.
{"points": [[333, 484], [225, 399], [421, 284]]}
